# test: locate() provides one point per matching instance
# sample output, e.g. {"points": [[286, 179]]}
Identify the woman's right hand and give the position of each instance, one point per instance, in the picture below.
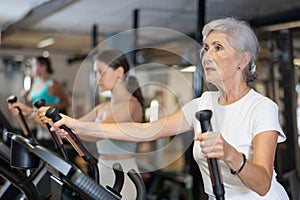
{"points": [[41, 115], [56, 127], [67, 121]]}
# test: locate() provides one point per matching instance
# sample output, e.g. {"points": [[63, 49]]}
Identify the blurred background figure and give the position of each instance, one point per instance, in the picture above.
{"points": [[43, 86], [126, 104]]}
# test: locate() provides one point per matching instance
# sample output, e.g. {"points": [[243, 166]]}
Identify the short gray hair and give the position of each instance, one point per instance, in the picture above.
{"points": [[241, 38]]}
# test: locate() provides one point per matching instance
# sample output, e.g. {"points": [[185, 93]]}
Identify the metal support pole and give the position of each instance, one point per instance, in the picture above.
{"points": [[198, 187], [136, 13], [94, 42], [198, 84], [286, 69]]}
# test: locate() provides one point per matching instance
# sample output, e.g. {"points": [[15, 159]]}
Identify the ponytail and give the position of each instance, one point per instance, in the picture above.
{"points": [[133, 87]]}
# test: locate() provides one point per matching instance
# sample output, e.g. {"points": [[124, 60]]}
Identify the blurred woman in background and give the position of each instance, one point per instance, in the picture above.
{"points": [[125, 105], [44, 86]]}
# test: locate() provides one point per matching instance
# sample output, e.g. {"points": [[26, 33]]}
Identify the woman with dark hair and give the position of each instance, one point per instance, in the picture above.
{"points": [[126, 105], [44, 86]]}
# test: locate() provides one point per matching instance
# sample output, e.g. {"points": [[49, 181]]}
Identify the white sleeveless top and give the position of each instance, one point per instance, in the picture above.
{"points": [[113, 147]]}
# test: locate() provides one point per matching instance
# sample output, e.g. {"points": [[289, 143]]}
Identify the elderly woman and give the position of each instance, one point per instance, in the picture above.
{"points": [[245, 123]]}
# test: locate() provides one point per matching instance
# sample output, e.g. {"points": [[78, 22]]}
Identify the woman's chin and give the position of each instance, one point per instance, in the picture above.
{"points": [[208, 79]]}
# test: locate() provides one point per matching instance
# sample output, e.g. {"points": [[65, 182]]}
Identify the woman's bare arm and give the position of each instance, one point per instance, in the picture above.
{"points": [[214, 146], [57, 90], [262, 165], [137, 132]]}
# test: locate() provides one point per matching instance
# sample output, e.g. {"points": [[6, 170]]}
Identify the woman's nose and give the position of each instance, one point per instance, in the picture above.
{"points": [[206, 58], [97, 80], [98, 76]]}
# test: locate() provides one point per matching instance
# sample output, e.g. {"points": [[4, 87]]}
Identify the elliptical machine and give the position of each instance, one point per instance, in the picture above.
{"points": [[27, 154]]}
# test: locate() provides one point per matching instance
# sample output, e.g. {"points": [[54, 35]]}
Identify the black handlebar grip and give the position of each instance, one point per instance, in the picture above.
{"points": [[53, 114], [27, 133], [56, 140], [204, 117], [12, 99], [40, 103]]}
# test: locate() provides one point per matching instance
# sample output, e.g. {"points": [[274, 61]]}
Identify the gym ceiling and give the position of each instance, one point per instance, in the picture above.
{"points": [[70, 22]]}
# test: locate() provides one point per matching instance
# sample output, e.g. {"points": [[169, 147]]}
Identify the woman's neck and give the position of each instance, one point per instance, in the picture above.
{"points": [[120, 94], [44, 78], [232, 95]]}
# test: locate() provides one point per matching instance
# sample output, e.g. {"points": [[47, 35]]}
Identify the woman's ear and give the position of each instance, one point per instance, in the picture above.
{"points": [[245, 59], [120, 71]]}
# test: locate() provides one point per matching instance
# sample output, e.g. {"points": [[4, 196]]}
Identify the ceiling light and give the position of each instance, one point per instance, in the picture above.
{"points": [[46, 42], [297, 61], [46, 54]]}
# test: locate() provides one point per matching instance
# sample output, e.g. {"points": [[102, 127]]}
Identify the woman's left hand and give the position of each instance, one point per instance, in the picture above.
{"points": [[26, 110], [67, 121], [41, 115]]}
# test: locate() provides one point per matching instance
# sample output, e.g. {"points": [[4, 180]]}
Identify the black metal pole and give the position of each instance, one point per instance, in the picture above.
{"points": [[94, 36], [135, 26], [198, 187], [198, 84], [94, 42]]}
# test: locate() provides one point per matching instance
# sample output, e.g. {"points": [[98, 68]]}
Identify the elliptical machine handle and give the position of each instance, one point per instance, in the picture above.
{"points": [[53, 114], [204, 117], [27, 133], [56, 140]]}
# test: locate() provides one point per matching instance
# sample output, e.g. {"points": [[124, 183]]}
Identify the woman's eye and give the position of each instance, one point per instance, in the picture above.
{"points": [[218, 48], [202, 51]]}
